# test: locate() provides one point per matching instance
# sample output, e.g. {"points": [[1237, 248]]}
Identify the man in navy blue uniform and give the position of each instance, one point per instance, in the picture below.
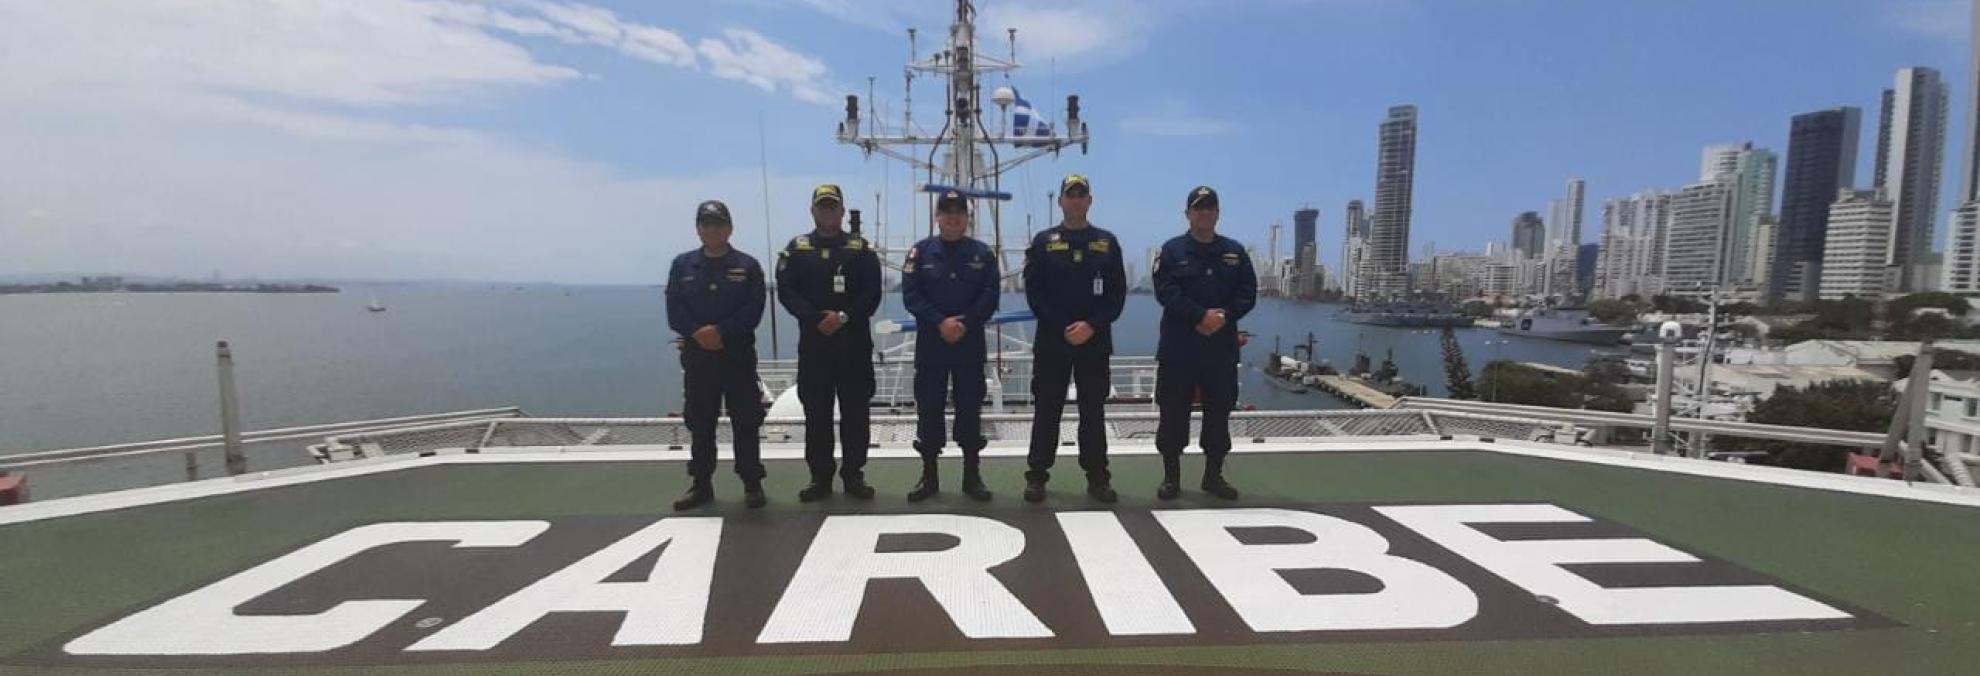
{"points": [[714, 302], [830, 281], [1076, 283], [1205, 284], [949, 284]]}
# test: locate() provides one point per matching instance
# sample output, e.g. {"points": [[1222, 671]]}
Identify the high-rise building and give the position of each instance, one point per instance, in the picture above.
{"points": [[1911, 140], [1584, 268], [1753, 201], [1354, 227], [1306, 229], [1387, 259], [1695, 245], [1631, 259], [1306, 250], [1529, 235], [1568, 211], [1962, 257], [1854, 252], [1821, 161]]}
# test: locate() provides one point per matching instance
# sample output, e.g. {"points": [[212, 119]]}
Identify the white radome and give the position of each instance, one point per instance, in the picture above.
{"points": [[1003, 97]]}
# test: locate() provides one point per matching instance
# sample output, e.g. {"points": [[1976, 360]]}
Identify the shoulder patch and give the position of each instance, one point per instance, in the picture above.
{"points": [[913, 251]]}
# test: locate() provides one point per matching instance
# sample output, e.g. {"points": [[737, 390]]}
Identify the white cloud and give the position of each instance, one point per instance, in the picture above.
{"points": [[268, 138], [1174, 117], [1942, 19], [1077, 36], [359, 53], [749, 57]]}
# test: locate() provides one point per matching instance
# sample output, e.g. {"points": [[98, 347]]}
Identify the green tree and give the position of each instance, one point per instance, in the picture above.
{"points": [[1457, 374], [1904, 306], [1513, 383], [1857, 405]]}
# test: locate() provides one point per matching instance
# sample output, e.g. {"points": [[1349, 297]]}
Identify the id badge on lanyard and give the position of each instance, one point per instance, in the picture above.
{"points": [[839, 283], [1099, 286]]}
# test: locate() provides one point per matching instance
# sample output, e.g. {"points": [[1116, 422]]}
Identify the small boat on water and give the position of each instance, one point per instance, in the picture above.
{"points": [[375, 306]]}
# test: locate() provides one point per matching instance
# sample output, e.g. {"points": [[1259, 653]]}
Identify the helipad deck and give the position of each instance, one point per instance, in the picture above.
{"points": [[1398, 556]]}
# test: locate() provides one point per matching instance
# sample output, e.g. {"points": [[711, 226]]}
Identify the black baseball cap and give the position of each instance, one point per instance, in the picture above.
{"points": [[826, 192], [951, 200], [712, 211], [1201, 197], [1075, 184]]}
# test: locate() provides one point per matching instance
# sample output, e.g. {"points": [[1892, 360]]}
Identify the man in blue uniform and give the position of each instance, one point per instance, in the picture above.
{"points": [[830, 281], [949, 284], [1205, 284], [1076, 283], [714, 302]]}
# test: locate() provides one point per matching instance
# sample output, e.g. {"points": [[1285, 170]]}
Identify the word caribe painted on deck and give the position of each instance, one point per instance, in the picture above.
{"points": [[815, 583]]}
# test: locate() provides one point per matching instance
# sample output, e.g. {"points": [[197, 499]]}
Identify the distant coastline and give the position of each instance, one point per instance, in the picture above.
{"points": [[117, 285]]}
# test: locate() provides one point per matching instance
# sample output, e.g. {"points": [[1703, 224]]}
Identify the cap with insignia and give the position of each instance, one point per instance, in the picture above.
{"points": [[1202, 197], [951, 200], [827, 193], [1075, 185], [712, 211]]}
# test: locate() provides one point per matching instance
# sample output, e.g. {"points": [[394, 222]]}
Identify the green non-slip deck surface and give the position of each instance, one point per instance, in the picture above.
{"points": [[1914, 563]]}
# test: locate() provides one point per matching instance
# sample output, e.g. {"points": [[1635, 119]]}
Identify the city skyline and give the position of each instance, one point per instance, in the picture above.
{"points": [[558, 141]]}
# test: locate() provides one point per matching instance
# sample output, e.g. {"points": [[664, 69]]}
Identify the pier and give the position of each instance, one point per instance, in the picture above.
{"points": [[1355, 392]]}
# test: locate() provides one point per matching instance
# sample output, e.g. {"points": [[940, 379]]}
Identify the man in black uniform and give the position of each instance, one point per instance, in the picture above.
{"points": [[714, 302], [830, 281], [1205, 284], [949, 284], [1076, 283]]}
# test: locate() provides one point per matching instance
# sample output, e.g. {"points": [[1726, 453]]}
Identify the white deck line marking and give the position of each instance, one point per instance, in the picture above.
{"points": [[1839, 483]]}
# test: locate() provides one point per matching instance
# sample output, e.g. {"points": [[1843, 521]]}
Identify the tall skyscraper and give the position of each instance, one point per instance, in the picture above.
{"points": [[1753, 170], [1855, 250], [1569, 220], [1702, 216], [1821, 161], [1355, 225], [1387, 261], [1529, 235], [1306, 230], [1911, 142], [1962, 260], [1631, 258]]}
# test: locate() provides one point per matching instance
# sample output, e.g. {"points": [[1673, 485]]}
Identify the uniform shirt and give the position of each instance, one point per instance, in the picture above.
{"points": [[1072, 276], [947, 279], [816, 273], [726, 291], [1190, 278]]}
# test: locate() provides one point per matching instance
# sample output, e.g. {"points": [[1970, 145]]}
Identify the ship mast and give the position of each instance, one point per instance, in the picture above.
{"points": [[955, 157]]}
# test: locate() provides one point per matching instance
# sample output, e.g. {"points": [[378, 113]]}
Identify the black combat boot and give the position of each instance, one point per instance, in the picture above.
{"points": [[1101, 489], [973, 483], [753, 494], [856, 487], [930, 483], [1213, 479], [818, 490], [1034, 486], [1171, 478], [699, 493]]}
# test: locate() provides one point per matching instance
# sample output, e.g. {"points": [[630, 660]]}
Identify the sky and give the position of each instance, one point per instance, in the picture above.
{"points": [[567, 141]]}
